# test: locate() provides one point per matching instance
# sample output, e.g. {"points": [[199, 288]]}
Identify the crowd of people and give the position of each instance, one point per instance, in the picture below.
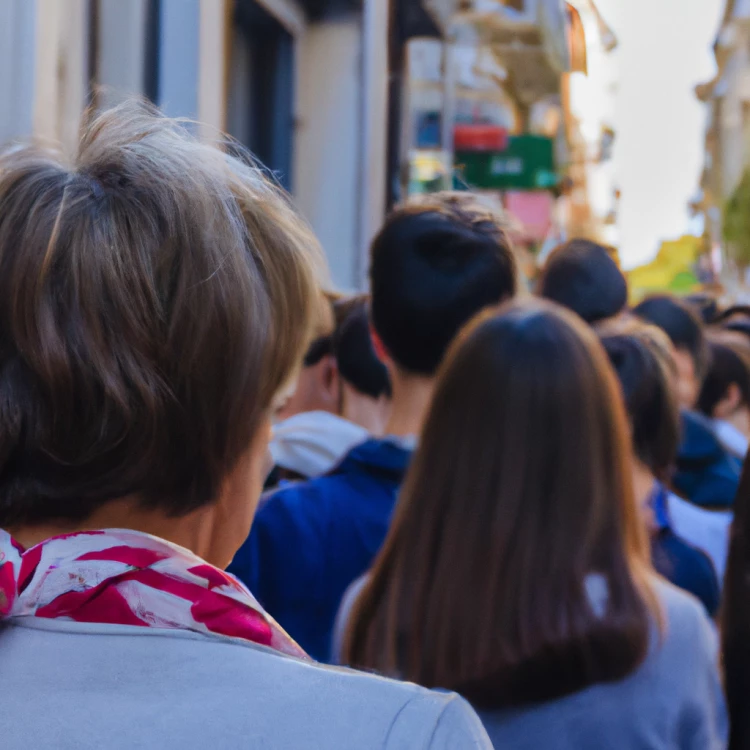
{"points": [[240, 510]]}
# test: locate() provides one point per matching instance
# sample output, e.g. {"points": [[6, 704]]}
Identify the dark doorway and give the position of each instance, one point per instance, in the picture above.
{"points": [[261, 88]]}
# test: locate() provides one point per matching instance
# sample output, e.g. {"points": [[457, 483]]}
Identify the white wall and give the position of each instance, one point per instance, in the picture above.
{"points": [[122, 48], [179, 55], [17, 30], [327, 147], [239, 99]]}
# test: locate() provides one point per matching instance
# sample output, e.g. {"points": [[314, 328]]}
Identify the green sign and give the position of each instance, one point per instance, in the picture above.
{"points": [[527, 164]]}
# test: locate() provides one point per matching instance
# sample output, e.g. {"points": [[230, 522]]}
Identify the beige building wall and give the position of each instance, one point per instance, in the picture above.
{"points": [[53, 51]]}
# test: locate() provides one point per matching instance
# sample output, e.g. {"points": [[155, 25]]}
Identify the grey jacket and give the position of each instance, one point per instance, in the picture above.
{"points": [[69, 686], [673, 701]]}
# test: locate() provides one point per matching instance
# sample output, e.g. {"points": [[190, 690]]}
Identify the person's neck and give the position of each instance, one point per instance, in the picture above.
{"points": [[412, 395], [367, 412], [194, 531]]}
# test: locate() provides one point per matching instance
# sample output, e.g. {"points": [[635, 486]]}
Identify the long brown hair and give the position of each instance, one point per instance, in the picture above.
{"points": [[518, 499]]}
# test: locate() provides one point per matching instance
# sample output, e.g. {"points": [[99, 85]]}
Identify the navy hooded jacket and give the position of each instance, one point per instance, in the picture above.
{"points": [[679, 562], [310, 540], [707, 474]]}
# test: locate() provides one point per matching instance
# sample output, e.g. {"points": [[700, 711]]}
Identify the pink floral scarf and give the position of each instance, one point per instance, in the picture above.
{"points": [[129, 578]]}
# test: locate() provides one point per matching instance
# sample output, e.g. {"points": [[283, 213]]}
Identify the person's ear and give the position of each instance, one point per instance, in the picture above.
{"points": [[330, 379], [730, 402]]}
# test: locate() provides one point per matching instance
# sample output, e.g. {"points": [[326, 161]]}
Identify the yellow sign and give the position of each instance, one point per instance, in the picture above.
{"points": [[673, 269]]}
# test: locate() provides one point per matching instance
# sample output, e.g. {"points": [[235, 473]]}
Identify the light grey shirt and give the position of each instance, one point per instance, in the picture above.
{"points": [[67, 686]]}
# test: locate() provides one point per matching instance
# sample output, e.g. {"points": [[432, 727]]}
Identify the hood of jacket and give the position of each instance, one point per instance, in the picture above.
{"points": [[312, 443], [706, 473]]}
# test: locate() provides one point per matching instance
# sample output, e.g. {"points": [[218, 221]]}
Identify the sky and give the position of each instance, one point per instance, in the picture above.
{"points": [[664, 51]]}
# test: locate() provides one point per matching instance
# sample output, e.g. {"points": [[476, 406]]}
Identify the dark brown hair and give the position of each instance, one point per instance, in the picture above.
{"points": [[681, 322], [155, 294], [584, 277], [641, 356], [519, 495], [729, 364]]}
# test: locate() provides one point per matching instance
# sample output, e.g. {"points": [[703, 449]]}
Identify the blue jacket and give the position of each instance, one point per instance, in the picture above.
{"points": [[310, 540], [680, 562], [707, 474]]}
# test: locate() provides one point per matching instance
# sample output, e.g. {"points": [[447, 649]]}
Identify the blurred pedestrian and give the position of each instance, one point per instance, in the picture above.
{"points": [[155, 297], [706, 473], [584, 277], [725, 394], [434, 265], [706, 305], [518, 574], [349, 392], [316, 386], [685, 329], [642, 358]]}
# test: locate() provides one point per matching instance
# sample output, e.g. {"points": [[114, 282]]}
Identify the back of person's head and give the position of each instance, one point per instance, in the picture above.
{"points": [[356, 359], [155, 295], [514, 572], [726, 386], [734, 313], [685, 329], [316, 387], [584, 277], [322, 342], [437, 262], [706, 305], [641, 356]]}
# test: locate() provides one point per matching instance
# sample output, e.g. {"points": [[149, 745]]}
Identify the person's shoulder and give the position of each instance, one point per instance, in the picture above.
{"points": [[686, 624], [304, 498], [675, 602], [681, 508], [372, 711]]}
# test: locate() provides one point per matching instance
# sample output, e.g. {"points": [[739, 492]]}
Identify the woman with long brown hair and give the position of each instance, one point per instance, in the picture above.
{"points": [[517, 571]]}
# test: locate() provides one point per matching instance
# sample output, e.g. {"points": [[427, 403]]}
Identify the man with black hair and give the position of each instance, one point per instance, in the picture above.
{"points": [[435, 264], [706, 473], [584, 277], [344, 399]]}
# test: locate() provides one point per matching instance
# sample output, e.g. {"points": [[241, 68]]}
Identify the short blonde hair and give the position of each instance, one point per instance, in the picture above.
{"points": [[155, 294]]}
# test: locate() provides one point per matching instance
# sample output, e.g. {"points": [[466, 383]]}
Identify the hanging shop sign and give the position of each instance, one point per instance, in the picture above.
{"points": [[528, 163]]}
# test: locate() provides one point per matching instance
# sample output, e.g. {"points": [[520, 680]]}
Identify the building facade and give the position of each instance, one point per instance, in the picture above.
{"points": [[301, 83], [727, 99]]}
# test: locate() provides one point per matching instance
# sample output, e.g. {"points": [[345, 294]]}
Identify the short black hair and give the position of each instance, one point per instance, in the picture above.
{"points": [[584, 277], [434, 266], [322, 346], [652, 406], [727, 366], [681, 323], [357, 362]]}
